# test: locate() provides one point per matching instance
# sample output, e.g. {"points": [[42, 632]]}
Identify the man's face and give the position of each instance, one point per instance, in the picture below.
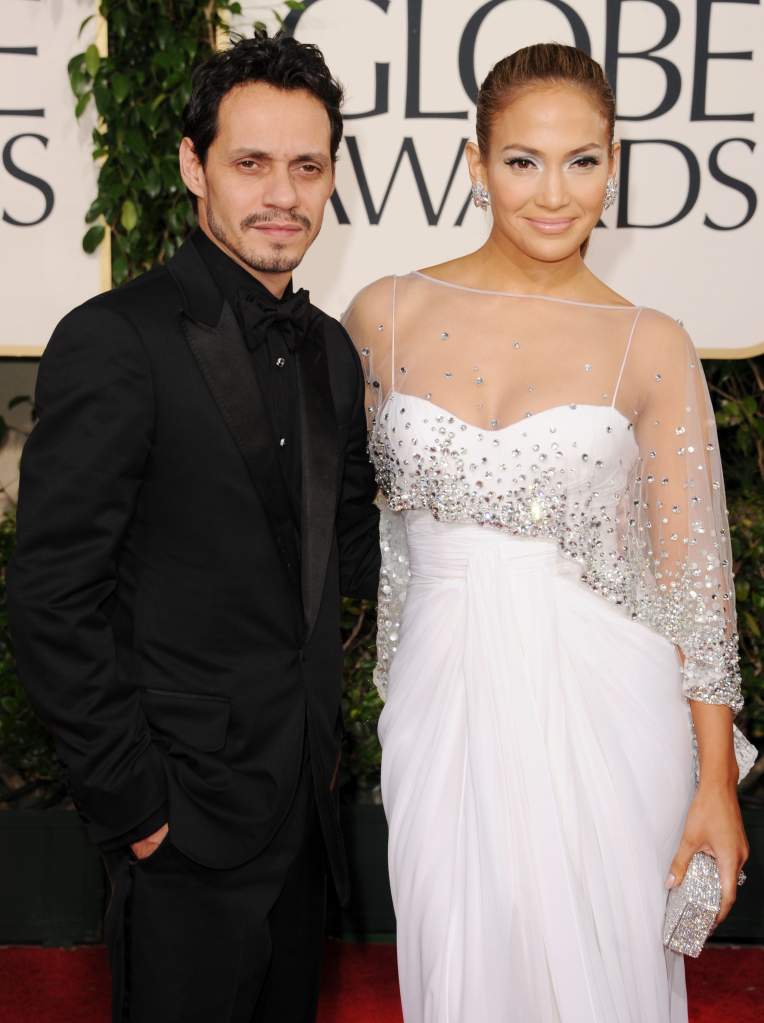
{"points": [[267, 176]]}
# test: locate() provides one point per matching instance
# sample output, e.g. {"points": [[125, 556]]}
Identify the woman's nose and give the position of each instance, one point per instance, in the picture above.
{"points": [[553, 193]]}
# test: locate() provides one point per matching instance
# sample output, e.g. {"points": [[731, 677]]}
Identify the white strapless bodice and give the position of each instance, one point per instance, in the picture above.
{"points": [[529, 476]]}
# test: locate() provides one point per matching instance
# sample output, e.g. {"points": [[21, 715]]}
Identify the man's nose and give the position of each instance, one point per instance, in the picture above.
{"points": [[280, 189]]}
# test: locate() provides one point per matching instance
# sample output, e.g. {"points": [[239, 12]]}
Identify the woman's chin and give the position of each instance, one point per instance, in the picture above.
{"points": [[546, 248], [551, 250]]}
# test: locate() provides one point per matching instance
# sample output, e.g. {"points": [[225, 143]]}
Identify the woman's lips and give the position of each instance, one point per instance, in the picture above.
{"points": [[550, 226]]}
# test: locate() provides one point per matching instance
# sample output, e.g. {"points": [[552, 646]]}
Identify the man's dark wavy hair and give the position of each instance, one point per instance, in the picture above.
{"points": [[280, 61]]}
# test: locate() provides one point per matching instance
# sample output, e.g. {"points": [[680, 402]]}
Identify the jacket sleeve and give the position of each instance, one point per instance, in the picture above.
{"points": [[358, 516], [81, 473]]}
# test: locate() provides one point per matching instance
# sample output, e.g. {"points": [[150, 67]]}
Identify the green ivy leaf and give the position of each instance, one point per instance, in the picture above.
{"points": [[153, 183], [92, 60], [102, 98], [752, 624], [119, 269], [93, 238], [82, 102], [129, 216], [120, 86], [742, 589]]}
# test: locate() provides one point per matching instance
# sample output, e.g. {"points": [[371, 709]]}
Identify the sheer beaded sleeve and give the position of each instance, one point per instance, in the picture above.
{"points": [[678, 524], [370, 321], [584, 425], [679, 517]]}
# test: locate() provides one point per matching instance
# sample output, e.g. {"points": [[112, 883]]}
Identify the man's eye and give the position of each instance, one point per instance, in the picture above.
{"points": [[311, 168], [247, 164]]}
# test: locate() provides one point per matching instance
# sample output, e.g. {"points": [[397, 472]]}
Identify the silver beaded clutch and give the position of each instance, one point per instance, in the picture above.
{"points": [[692, 907]]}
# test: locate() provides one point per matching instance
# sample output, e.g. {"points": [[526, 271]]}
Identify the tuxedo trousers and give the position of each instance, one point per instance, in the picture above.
{"points": [[191, 944]]}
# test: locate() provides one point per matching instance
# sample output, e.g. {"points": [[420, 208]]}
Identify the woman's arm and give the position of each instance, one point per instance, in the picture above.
{"points": [[682, 526], [714, 823]]}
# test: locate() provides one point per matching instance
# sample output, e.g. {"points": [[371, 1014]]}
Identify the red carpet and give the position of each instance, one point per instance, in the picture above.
{"points": [[41, 985]]}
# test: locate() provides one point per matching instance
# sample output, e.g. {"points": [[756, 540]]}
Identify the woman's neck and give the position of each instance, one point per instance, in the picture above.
{"points": [[503, 267]]}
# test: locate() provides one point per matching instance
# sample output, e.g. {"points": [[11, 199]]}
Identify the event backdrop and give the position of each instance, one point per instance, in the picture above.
{"points": [[686, 235], [47, 176]]}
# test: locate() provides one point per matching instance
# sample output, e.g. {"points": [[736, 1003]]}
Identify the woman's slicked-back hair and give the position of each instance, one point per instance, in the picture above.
{"points": [[280, 61], [541, 64]]}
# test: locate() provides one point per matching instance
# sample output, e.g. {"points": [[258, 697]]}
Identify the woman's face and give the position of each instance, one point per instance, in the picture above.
{"points": [[546, 170]]}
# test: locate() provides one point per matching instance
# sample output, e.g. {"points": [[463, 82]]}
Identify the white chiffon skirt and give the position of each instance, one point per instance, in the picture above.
{"points": [[536, 773]]}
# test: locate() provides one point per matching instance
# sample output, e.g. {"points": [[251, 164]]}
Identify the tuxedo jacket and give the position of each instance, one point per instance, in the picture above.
{"points": [[174, 626]]}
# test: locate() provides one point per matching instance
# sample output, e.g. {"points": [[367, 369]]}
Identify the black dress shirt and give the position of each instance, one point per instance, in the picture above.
{"points": [[275, 365]]}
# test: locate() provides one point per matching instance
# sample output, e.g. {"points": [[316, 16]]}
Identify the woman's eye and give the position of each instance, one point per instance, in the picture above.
{"points": [[521, 162], [586, 161]]}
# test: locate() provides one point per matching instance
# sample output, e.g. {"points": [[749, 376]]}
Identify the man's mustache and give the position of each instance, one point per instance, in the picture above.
{"points": [[276, 218]]}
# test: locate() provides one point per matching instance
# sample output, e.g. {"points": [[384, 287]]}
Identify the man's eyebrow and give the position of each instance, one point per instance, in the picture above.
{"points": [[260, 154], [536, 152], [312, 158]]}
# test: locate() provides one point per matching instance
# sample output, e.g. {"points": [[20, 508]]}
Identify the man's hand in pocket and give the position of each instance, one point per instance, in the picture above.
{"points": [[148, 846]]}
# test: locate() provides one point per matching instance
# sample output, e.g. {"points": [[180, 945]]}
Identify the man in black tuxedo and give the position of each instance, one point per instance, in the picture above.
{"points": [[195, 497]]}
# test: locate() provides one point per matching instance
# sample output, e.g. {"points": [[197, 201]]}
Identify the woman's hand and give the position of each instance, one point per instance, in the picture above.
{"points": [[714, 825]]}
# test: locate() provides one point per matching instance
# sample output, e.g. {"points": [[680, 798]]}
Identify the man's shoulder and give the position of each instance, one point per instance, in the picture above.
{"points": [[120, 319], [149, 292]]}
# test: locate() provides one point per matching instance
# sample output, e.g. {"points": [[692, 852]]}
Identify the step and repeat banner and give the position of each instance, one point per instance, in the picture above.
{"points": [[47, 175], [686, 235]]}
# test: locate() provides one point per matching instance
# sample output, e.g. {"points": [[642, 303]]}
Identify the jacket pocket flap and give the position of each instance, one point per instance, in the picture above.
{"points": [[194, 719]]}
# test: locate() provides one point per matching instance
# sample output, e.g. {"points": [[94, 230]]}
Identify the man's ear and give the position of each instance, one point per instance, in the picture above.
{"points": [[191, 169]]}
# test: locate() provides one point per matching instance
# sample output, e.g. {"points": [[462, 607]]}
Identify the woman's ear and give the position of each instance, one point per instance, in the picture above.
{"points": [[475, 163], [615, 160]]}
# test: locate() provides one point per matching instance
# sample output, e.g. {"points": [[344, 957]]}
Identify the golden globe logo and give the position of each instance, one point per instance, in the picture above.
{"points": [[724, 162]]}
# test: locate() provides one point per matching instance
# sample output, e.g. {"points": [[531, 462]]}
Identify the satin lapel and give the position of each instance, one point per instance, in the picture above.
{"points": [[226, 366], [319, 471]]}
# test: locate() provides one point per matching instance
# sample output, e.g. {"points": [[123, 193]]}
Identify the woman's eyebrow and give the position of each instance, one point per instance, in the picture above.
{"points": [[537, 152]]}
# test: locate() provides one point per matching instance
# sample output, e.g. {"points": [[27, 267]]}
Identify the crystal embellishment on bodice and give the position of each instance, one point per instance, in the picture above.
{"points": [[585, 425]]}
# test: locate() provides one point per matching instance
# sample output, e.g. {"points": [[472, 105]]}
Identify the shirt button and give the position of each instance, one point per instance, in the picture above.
{"points": [[282, 442], [281, 362]]}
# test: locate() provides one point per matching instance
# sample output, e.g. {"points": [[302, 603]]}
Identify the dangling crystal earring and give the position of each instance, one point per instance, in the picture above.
{"points": [[480, 196], [611, 193]]}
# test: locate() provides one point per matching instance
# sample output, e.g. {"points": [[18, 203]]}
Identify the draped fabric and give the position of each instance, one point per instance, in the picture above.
{"points": [[553, 529], [636, 497]]}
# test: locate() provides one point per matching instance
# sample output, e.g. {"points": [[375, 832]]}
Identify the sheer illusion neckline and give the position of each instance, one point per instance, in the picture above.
{"points": [[493, 430], [517, 294]]}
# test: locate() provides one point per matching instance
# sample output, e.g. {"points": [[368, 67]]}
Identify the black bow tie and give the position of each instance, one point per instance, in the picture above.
{"points": [[289, 318]]}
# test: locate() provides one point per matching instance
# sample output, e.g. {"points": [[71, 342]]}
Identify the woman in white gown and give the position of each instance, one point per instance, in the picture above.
{"points": [[556, 593]]}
